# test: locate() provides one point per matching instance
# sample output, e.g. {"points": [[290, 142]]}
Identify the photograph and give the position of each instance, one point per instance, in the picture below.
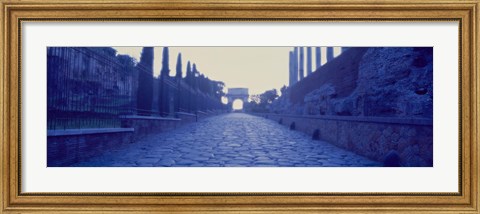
{"points": [[239, 106], [227, 106]]}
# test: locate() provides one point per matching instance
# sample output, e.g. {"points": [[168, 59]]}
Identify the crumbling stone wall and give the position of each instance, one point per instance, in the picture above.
{"points": [[394, 86], [390, 82], [372, 137]]}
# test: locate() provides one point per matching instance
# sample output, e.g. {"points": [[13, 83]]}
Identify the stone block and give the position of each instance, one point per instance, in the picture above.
{"points": [[375, 138]]}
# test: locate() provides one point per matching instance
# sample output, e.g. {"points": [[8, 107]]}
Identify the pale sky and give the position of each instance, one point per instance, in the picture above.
{"points": [[256, 68]]}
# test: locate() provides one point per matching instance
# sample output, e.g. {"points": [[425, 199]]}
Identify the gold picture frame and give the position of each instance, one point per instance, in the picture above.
{"points": [[15, 12]]}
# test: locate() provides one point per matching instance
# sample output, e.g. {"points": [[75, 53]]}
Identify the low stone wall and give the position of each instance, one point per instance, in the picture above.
{"points": [[186, 117], [145, 125], [373, 137], [65, 147], [202, 115]]}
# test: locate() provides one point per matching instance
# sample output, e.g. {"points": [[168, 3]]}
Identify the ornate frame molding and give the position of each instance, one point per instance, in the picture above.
{"points": [[15, 12]]}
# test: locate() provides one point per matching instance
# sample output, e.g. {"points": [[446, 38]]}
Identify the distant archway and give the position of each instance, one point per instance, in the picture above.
{"points": [[237, 105], [234, 94]]}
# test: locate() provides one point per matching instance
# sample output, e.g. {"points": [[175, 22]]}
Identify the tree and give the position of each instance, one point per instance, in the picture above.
{"points": [[268, 96], [179, 66], [195, 97], [178, 78], [195, 74], [255, 98], [283, 90], [165, 68], [188, 75], [260, 102], [218, 87], [145, 81], [163, 93], [204, 93], [126, 60]]}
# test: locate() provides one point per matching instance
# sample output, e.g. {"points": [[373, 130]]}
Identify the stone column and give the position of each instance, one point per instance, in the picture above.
{"points": [[295, 65], [290, 68], [318, 57], [302, 65], [329, 54], [309, 60]]}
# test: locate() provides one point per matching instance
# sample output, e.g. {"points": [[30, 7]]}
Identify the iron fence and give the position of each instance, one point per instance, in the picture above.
{"points": [[93, 88]]}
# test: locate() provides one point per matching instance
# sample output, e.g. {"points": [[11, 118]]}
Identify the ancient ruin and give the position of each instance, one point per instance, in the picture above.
{"points": [[373, 101], [367, 106]]}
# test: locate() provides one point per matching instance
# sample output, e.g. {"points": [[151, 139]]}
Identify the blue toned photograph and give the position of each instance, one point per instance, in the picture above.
{"points": [[239, 106]]}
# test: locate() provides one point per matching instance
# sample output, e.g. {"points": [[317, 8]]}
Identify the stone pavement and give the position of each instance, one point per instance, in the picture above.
{"points": [[234, 139]]}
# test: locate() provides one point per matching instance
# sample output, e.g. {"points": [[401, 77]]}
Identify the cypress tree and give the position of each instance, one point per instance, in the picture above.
{"points": [[179, 66], [178, 78], [188, 80], [163, 99], [194, 76], [165, 68], [145, 81], [188, 76], [195, 87]]}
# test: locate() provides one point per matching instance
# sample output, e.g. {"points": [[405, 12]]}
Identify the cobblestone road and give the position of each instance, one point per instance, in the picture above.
{"points": [[234, 139]]}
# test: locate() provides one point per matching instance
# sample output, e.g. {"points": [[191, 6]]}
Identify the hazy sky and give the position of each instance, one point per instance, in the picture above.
{"points": [[256, 68]]}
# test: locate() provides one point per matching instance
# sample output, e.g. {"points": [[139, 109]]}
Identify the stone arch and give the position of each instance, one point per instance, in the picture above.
{"points": [[238, 104], [237, 94]]}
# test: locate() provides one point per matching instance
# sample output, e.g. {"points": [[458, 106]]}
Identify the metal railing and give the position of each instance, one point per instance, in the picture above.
{"points": [[91, 88]]}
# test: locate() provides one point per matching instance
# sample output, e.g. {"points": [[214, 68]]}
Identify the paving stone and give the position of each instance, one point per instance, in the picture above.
{"points": [[185, 162], [260, 162], [199, 158], [230, 140], [165, 162], [239, 162]]}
